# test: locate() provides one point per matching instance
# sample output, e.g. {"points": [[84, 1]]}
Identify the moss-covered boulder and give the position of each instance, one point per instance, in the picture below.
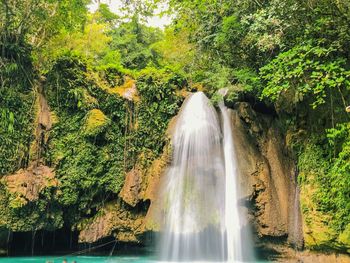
{"points": [[344, 238], [95, 123]]}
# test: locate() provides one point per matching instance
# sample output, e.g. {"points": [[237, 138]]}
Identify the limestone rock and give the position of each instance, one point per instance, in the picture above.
{"points": [[267, 174], [43, 123], [26, 184], [128, 90], [113, 219], [130, 192]]}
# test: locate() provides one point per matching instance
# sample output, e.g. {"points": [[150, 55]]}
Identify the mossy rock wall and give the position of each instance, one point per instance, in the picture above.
{"points": [[96, 138]]}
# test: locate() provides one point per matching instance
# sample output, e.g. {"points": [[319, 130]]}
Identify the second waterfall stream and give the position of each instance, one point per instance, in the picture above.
{"points": [[202, 220]]}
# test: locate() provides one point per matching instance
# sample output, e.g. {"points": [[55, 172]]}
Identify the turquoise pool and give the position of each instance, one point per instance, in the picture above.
{"points": [[78, 259], [83, 259]]}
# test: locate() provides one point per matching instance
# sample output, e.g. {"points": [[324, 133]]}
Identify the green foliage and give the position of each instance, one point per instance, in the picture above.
{"points": [[16, 111], [339, 192], [344, 237], [38, 20], [43, 213], [104, 15], [328, 168], [291, 55], [175, 51], [89, 168], [95, 122], [92, 44], [159, 102], [305, 72], [24, 28], [93, 148], [134, 40], [15, 130]]}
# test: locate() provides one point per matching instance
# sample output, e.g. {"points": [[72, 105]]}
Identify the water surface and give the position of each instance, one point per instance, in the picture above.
{"points": [[96, 259], [78, 259]]}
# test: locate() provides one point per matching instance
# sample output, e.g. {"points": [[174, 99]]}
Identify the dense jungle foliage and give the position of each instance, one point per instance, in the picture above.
{"points": [[291, 55]]}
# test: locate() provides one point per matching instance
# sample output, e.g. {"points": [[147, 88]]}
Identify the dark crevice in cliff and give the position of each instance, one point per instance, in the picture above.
{"points": [[42, 242], [257, 105], [64, 242], [268, 247]]}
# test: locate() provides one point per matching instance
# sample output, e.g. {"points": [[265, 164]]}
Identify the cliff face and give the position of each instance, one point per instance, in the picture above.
{"points": [[267, 176], [135, 213], [267, 179], [94, 157]]}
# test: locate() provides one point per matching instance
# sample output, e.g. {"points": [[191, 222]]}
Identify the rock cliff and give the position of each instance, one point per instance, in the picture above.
{"points": [[267, 179], [268, 183]]}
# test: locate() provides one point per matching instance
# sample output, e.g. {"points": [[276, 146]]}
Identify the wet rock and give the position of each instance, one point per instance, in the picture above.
{"points": [[43, 124], [323, 258], [312, 257], [281, 253], [267, 174]]}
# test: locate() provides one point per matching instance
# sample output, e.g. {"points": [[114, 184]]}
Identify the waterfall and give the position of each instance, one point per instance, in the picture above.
{"points": [[191, 191], [295, 236], [199, 192], [232, 218]]}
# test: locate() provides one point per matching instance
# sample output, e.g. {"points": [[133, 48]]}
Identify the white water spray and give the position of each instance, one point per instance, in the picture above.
{"points": [[232, 217], [199, 192]]}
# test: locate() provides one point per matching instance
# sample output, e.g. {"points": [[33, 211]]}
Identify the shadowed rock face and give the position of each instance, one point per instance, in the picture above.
{"points": [[267, 175], [3, 241], [43, 126]]}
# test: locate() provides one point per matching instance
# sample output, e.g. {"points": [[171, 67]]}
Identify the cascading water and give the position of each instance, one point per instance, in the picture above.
{"points": [[232, 218], [199, 192], [191, 191]]}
